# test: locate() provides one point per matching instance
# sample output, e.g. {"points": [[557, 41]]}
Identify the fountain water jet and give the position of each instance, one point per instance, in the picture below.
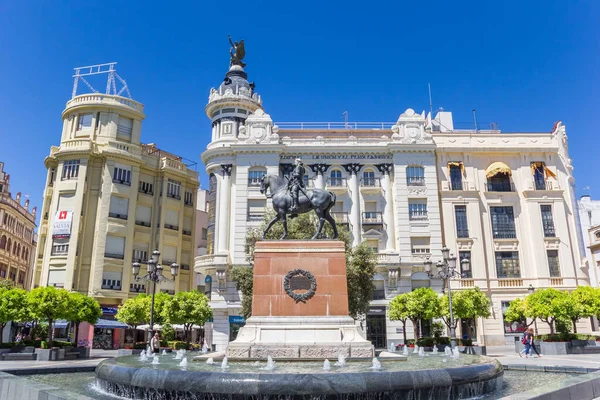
{"points": [[341, 362], [455, 352], [204, 348], [435, 350], [224, 363], [448, 351], [155, 360], [421, 352], [183, 363], [405, 350], [376, 364], [210, 361], [326, 365], [270, 364], [164, 353], [416, 351]]}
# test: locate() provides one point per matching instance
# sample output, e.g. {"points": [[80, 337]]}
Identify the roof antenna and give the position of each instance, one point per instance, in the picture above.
{"points": [[345, 116], [475, 120], [430, 102]]}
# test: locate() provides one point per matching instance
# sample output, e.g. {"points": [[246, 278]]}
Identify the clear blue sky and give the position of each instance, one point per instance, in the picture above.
{"points": [[522, 64]]}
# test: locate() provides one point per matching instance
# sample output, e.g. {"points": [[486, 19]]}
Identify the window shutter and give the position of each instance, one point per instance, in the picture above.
{"points": [[125, 126], [169, 254], [143, 214], [66, 202], [57, 277], [172, 218], [256, 206], [370, 206], [115, 245], [119, 205], [187, 224]]}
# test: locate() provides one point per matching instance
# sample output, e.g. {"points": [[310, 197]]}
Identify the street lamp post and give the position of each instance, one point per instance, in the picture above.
{"points": [[154, 275], [530, 290], [446, 270]]}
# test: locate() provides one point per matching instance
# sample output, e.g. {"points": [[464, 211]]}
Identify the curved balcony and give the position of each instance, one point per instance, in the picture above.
{"points": [[106, 100], [370, 185], [337, 185]]}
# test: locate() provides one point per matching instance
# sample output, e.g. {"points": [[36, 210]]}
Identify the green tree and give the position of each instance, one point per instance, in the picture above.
{"points": [[516, 312], [168, 332], [360, 262], [82, 308], [423, 303], [188, 309], [588, 300], [48, 303], [243, 278], [398, 311], [547, 305], [134, 311], [467, 305], [6, 284], [13, 307], [161, 299]]}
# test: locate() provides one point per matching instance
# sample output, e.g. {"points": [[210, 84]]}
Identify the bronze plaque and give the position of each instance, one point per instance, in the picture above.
{"points": [[300, 282]]}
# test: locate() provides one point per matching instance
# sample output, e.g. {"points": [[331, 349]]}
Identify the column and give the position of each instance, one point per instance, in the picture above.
{"points": [[388, 211], [320, 170], [224, 208], [353, 170]]}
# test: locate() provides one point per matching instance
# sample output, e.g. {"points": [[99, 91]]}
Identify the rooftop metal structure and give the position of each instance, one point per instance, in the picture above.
{"points": [[100, 69]]}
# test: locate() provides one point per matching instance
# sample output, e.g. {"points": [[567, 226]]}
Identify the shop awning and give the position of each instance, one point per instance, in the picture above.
{"points": [[497, 168], [107, 323], [60, 324]]}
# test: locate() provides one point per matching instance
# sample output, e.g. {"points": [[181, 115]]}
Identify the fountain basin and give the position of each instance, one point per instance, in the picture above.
{"points": [[435, 379]]}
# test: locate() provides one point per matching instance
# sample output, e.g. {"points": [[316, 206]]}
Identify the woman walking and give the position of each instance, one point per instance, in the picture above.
{"points": [[532, 345], [525, 340]]}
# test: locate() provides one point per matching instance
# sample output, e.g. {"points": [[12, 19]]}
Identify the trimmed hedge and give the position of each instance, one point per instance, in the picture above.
{"points": [[565, 337], [177, 345]]}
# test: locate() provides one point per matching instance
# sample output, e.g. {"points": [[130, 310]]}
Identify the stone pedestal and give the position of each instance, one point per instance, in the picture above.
{"points": [[300, 304]]}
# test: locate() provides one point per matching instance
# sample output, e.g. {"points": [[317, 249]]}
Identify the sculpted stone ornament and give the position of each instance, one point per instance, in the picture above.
{"points": [[259, 128], [410, 129], [238, 55], [288, 285]]}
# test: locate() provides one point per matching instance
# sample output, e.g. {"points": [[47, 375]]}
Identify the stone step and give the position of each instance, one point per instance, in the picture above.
{"points": [[19, 356]]}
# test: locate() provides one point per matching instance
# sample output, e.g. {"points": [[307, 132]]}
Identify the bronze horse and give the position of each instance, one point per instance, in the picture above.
{"points": [[315, 199]]}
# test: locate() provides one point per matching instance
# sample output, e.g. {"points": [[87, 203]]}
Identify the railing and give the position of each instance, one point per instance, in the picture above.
{"points": [[467, 283], [504, 231], [135, 288], [503, 186], [105, 99], [370, 182], [111, 287], [337, 183], [184, 267], [336, 125], [372, 217], [255, 216], [122, 182], [456, 184], [556, 281], [378, 294], [418, 216], [415, 180], [462, 233], [146, 191], [115, 215], [549, 230], [341, 217], [388, 258], [168, 291], [61, 250], [510, 282], [174, 196], [188, 203], [168, 262], [186, 232], [114, 255], [172, 227], [254, 182], [542, 184], [178, 165], [142, 223]]}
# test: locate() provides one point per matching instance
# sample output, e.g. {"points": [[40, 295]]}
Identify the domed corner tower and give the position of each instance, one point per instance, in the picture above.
{"points": [[231, 104]]}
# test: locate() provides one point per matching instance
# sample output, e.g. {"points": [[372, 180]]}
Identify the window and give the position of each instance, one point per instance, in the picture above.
{"points": [[507, 264], [227, 128], [172, 220], [456, 173], [124, 127], [373, 244], [462, 228], [70, 170], [137, 287], [169, 255], [146, 188], [140, 255], [115, 247], [174, 189], [417, 210], [119, 207], [415, 176], [419, 245], [85, 121], [336, 179], [57, 277], [553, 263], [111, 280], [204, 233], [464, 255], [143, 215], [539, 179], [256, 210], [503, 222], [500, 183], [369, 179], [188, 199], [547, 220], [60, 247], [254, 178], [512, 327], [122, 176]]}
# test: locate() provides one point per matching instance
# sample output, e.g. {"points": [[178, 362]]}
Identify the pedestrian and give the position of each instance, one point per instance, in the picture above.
{"points": [[532, 345], [155, 343], [525, 341]]}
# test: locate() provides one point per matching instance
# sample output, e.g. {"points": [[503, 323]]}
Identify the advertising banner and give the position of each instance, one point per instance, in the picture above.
{"points": [[62, 224]]}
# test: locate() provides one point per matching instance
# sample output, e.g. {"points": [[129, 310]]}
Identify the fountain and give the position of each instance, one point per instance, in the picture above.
{"points": [[376, 364], [341, 362], [392, 347], [416, 351], [405, 350], [224, 363], [448, 351], [143, 356], [455, 352], [204, 348], [435, 350], [149, 352], [164, 353], [155, 360], [270, 364], [183, 363], [326, 365], [210, 361], [421, 352], [180, 354]]}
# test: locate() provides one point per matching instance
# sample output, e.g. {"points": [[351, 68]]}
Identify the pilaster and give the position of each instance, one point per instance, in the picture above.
{"points": [[353, 170]]}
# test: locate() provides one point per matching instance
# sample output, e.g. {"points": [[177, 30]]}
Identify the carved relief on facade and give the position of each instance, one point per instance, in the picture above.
{"points": [[410, 129], [259, 128]]}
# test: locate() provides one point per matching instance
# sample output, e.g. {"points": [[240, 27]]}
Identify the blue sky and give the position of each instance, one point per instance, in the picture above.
{"points": [[522, 64]]}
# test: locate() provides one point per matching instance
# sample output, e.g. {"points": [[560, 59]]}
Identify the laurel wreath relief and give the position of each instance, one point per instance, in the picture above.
{"points": [[300, 296]]}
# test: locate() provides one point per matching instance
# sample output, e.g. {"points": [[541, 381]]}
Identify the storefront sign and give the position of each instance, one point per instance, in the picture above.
{"points": [[62, 224], [376, 311], [337, 157], [236, 319], [109, 310], [399, 330]]}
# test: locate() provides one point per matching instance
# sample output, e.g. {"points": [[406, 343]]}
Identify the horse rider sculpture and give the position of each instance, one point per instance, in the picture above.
{"points": [[296, 183]]}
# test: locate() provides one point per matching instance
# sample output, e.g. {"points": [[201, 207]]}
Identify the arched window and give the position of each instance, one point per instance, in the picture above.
{"points": [[335, 178], [18, 252], [369, 178], [8, 245], [498, 178], [3, 242], [23, 250], [255, 175], [26, 255], [415, 175]]}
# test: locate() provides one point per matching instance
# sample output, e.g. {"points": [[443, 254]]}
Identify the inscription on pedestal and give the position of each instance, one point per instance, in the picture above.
{"points": [[300, 285]]}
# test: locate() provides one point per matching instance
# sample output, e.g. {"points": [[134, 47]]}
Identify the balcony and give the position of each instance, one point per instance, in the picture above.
{"points": [[188, 203], [174, 196], [255, 217], [418, 216], [168, 262], [457, 184], [388, 258], [186, 232], [147, 191], [338, 185], [114, 255], [254, 182], [504, 231], [543, 184], [341, 218], [122, 182], [415, 181], [119, 216], [172, 227], [500, 186], [549, 230], [111, 287], [210, 261], [372, 218], [135, 288], [378, 294], [184, 267], [370, 185], [142, 223]]}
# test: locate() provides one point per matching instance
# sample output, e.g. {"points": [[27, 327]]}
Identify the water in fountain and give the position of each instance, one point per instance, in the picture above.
{"points": [[183, 363], [376, 363], [421, 352], [416, 349], [341, 362], [435, 350], [178, 355], [164, 353], [455, 352], [326, 365], [149, 352], [392, 347], [143, 356], [204, 348], [256, 364], [155, 360], [224, 363], [447, 351], [405, 350], [270, 364], [210, 361]]}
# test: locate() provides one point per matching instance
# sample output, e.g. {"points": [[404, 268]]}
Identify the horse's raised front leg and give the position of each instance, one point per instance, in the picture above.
{"points": [[321, 223], [285, 231], [331, 221], [277, 218]]}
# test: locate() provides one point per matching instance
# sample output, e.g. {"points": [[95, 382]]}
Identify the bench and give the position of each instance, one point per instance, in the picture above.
{"points": [[18, 356]]}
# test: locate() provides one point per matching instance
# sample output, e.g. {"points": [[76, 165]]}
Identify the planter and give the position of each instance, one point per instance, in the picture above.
{"points": [[47, 354], [579, 343], [128, 352], [84, 352], [442, 347], [478, 350], [555, 348], [5, 351]]}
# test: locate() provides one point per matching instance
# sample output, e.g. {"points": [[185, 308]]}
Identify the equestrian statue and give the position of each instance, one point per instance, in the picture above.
{"points": [[286, 200]]}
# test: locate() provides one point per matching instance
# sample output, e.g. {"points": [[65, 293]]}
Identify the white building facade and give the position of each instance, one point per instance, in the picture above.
{"points": [[394, 192], [589, 217]]}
